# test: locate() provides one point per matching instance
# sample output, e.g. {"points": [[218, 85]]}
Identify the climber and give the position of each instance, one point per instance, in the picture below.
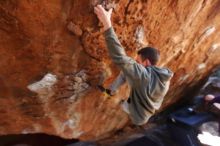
{"points": [[148, 83]]}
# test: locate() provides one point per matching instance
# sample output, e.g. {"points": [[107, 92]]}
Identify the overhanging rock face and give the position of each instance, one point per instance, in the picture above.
{"points": [[53, 55]]}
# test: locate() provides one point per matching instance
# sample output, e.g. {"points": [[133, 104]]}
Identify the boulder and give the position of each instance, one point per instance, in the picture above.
{"points": [[53, 55]]}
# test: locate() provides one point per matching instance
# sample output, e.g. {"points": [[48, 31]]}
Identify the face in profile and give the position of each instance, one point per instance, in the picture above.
{"points": [[139, 60]]}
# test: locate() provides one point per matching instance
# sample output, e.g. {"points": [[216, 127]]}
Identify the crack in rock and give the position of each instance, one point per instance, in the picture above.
{"points": [[73, 86]]}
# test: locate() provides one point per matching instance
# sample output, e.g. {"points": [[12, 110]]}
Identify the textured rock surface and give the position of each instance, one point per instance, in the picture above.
{"points": [[53, 54]]}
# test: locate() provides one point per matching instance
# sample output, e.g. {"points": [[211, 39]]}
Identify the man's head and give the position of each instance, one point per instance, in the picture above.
{"points": [[148, 56]]}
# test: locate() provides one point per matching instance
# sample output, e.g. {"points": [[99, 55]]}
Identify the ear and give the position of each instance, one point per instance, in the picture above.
{"points": [[147, 62]]}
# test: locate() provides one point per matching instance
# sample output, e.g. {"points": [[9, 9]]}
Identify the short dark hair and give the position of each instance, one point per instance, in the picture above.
{"points": [[149, 53]]}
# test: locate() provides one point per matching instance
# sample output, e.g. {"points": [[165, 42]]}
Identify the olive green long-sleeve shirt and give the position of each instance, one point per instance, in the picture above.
{"points": [[148, 84]]}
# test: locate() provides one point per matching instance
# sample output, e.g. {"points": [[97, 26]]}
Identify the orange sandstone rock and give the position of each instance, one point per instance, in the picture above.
{"points": [[48, 76]]}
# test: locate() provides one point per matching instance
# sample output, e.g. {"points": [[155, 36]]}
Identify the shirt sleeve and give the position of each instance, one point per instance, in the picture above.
{"points": [[120, 80], [128, 66]]}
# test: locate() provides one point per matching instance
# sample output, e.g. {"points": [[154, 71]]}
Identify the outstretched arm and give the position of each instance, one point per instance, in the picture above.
{"points": [[104, 16], [129, 66]]}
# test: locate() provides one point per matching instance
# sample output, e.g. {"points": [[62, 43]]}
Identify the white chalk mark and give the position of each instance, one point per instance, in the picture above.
{"points": [[73, 123], [214, 47], [201, 66], [140, 36], [209, 31], [183, 78], [44, 84]]}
